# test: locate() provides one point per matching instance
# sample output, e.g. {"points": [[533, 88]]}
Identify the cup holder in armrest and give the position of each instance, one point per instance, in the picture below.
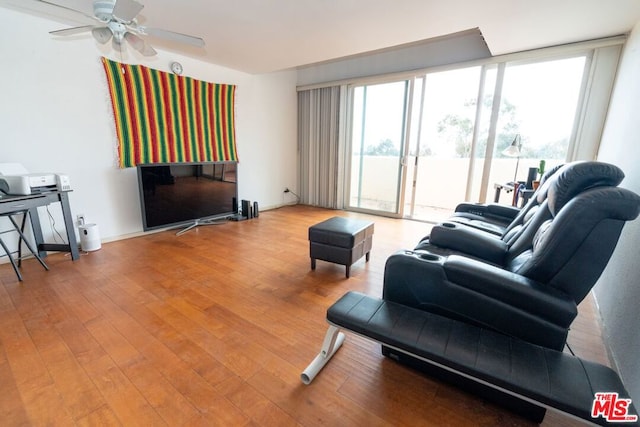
{"points": [[428, 257], [425, 256]]}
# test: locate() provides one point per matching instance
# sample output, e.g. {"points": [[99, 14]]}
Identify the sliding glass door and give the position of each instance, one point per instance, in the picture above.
{"points": [[444, 108], [420, 146], [378, 123]]}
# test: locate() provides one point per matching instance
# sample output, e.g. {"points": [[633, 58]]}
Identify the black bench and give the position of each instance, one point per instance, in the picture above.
{"points": [[341, 241], [536, 375]]}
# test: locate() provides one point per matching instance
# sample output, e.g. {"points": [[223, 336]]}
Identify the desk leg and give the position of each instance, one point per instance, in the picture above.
{"points": [[68, 223], [37, 231]]}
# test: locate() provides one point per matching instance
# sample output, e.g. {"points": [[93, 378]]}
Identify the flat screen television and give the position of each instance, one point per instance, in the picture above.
{"points": [[187, 194]]}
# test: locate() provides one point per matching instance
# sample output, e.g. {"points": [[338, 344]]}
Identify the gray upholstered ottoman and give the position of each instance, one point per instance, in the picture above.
{"points": [[340, 240]]}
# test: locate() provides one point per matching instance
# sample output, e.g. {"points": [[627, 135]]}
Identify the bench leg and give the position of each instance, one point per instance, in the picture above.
{"points": [[332, 342], [313, 263]]}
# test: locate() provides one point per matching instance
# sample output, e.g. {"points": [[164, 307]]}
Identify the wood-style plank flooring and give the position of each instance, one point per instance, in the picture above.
{"points": [[214, 328]]}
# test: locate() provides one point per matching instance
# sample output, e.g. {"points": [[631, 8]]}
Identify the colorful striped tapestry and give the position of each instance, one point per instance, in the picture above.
{"points": [[166, 118]]}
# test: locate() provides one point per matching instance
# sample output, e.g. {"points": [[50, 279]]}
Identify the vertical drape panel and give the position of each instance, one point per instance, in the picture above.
{"points": [[319, 147]]}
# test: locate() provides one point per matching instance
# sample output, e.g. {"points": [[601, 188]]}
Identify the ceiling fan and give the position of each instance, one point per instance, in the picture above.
{"points": [[117, 22]]}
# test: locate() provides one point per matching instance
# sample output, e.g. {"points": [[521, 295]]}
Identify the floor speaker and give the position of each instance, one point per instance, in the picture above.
{"points": [[246, 208]]}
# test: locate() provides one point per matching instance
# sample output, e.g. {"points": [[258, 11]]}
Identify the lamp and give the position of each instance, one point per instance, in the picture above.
{"points": [[514, 150]]}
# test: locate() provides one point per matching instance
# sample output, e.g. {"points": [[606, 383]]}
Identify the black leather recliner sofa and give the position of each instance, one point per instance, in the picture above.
{"points": [[499, 219], [526, 284], [451, 237], [490, 312]]}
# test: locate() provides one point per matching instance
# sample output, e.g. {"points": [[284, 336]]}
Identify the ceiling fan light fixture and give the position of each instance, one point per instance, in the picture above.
{"points": [[101, 34]]}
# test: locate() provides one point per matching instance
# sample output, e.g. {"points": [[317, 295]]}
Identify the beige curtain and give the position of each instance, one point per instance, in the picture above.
{"points": [[320, 146]]}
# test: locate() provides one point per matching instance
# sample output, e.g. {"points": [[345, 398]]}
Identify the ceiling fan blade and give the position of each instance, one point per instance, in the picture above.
{"points": [[126, 10], [70, 9], [101, 34], [71, 31], [140, 45], [173, 36]]}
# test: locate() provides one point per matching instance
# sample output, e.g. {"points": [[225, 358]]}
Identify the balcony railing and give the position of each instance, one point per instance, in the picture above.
{"points": [[440, 184]]}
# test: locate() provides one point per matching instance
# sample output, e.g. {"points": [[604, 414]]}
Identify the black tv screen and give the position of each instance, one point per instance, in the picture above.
{"points": [[186, 193]]}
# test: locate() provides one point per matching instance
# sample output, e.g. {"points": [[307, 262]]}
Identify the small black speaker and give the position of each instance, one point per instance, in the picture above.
{"points": [[246, 208], [255, 210]]}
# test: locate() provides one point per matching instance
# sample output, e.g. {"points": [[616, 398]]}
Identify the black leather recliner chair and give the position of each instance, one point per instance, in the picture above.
{"points": [[498, 219], [451, 237], [528, 288]]}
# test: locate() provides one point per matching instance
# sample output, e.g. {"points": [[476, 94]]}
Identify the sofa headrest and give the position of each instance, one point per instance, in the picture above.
{"points": [[573, 178], [592, 206], [545, 183], [570, 251]]}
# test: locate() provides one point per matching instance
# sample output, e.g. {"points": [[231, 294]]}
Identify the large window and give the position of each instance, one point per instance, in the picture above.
{"points": [[441, 136], [538, 104], [416, 144]]}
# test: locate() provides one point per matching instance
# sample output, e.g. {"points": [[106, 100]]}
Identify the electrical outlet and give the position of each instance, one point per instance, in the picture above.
{"points": [[80, 219]]}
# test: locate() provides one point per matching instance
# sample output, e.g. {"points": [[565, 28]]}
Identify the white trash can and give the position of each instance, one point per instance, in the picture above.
{"points": [[89, 237]]}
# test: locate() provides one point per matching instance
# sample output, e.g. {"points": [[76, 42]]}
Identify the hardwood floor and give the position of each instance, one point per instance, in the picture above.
{"points": [[214, 327]]}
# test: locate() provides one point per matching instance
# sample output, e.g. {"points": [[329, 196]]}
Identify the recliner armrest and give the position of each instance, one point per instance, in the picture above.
{"points": [[469, 241], [511, 288], [492, 210], [494, 299]]}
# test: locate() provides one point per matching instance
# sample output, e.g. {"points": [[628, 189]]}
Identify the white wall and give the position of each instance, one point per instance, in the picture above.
{"points": [[55, 116], [618, 290]]}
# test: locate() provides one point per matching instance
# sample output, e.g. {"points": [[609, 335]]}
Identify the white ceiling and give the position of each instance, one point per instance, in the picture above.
{"points": [[258, 36]]}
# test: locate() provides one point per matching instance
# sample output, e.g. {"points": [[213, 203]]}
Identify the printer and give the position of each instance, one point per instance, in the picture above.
{"points": [[15, 180]]}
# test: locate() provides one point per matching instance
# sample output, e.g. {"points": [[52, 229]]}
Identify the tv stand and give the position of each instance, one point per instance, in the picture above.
{"points": [[199, 222]]}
